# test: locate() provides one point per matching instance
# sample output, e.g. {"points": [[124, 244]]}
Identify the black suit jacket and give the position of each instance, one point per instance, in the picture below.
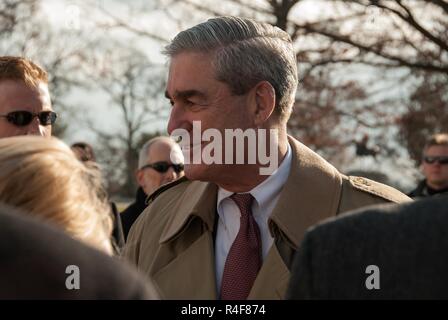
{"points": [[34, 258], [131, 213], [408, 243]]}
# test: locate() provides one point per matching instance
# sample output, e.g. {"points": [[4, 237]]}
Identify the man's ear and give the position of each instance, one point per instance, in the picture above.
{"points": [[264, 102], [139, 177]]}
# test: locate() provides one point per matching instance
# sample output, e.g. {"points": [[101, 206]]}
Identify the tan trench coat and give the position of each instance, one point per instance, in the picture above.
{"points": [[172, 241]]}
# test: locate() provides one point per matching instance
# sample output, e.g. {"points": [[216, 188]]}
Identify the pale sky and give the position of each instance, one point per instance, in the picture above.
{"points": [[68, 14], [65, 15]]}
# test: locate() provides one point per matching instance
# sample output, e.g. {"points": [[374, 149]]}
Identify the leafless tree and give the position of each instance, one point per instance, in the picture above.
{"points": [[427, 114], [401, 44], [135, 89], [24, 31]]}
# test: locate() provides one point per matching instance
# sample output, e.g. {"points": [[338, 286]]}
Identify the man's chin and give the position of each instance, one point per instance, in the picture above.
{"points": [[196, 171]]}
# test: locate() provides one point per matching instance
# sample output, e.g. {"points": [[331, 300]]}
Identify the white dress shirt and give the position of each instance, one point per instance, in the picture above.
{"points": [[266, 195]]}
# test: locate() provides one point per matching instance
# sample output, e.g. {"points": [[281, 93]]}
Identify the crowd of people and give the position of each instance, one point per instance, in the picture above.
{"points": [[305, 231]]}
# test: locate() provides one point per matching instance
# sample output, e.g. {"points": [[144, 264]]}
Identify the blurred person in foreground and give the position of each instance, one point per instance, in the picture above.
{"points": [[84, 152], [229, 230], [40, 261], [25, 104], [379, 252], [155, 168], [45, 179], [434, 167]]}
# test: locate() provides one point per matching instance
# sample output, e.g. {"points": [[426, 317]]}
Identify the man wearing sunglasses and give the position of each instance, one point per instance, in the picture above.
{"points": [[160, 161], [434, 167], [25, 105]]}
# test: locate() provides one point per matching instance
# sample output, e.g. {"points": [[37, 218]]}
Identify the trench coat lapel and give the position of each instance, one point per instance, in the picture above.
{"points": [[191, 275], [184, 266], [310, 194], [272, 280]]}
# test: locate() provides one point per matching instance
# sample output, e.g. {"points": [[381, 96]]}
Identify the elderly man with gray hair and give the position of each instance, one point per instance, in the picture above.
{"points": [[160, 161], [229, 229]]}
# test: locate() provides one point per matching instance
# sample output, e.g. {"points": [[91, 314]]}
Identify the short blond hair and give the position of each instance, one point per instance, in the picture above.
{"points": [[43, 177], [21, 69]]}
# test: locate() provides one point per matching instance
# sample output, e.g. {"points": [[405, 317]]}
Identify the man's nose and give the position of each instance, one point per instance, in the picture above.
{"points": [[171, 175], [35, 128], [178, 119]]}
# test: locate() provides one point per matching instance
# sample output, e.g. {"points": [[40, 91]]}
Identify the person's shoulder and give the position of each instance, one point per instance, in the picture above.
{"points": [[429, 208], [159, 203], [169, 189], [162, 206], [386, 235], [414, 223], [381, 217], [36, 242], [365, 186]]}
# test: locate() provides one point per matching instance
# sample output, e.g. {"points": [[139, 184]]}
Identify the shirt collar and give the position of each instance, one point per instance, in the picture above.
{"points": [[269, 188]]}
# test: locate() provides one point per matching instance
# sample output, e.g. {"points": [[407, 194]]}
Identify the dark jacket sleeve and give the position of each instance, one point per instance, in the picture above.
{"points": [[117, 231], [301, 283]]}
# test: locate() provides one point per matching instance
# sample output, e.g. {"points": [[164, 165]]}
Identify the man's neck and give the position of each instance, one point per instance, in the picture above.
{"points": [[244, 178]]}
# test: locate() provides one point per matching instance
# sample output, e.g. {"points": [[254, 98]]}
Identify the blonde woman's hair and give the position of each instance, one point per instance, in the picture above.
{"points": [[43, 177]]}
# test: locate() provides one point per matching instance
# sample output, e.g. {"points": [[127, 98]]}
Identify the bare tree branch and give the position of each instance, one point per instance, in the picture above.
{"points": [[251, 7], [120, 23], [399, 60], [203, 8], [441, 3], [409, 19]]}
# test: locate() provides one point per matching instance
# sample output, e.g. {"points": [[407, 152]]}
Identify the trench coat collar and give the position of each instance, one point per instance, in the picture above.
{"points": [[198, 200], [310, 194]]}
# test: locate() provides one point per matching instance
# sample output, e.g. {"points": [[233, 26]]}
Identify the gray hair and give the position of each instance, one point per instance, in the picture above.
{"points": [[245, 52], [143, 156]]}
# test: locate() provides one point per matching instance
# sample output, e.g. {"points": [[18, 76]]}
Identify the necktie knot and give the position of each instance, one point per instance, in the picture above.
{"points": [[244, 202]]}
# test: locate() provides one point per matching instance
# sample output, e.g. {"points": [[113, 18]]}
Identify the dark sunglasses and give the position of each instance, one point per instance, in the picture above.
{"points": [[163, 167], [24, 118], [439, 159]]}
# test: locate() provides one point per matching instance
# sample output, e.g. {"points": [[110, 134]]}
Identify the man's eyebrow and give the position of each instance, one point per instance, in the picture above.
{"points": [[185, 94]]}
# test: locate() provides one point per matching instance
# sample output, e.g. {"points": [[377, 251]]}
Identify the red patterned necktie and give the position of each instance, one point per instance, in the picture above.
{"points": [[244, 259]]}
